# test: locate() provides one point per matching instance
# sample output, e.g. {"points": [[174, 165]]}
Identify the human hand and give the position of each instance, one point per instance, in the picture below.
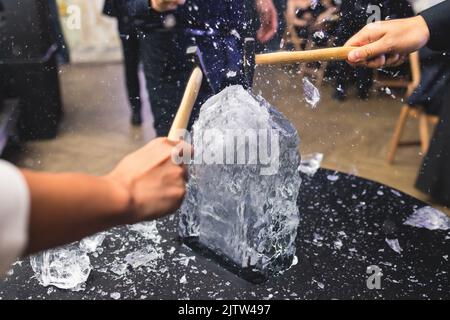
{"points": [[166, 5], [387, 43], [269, 20], [153, 182]]}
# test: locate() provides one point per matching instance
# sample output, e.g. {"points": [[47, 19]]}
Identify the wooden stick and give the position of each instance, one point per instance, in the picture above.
{"points": [[184, 111], [328, 54]]}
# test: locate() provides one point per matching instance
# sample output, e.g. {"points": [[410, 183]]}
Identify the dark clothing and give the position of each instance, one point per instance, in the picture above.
{"points": [[434, 175], [220, 17], [63, 50], [216, 27], [130, 49], [438, 21], [434, 82], [119, 9]]}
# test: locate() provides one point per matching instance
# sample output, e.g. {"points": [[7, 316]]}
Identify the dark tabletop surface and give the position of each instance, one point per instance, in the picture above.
{"points": [[345, 221]]}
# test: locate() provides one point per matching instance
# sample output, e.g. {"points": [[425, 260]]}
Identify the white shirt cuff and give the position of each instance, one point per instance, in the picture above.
{"points": [[14, 211]]}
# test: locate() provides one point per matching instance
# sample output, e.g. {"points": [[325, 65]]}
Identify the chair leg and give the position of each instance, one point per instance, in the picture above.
{"points": [[398, 133], [424, 133]]}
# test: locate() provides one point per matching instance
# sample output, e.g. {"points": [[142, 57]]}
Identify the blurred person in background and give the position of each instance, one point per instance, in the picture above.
{"points": [[168, 27], [131, 54], [63, 51], [275, 43]]}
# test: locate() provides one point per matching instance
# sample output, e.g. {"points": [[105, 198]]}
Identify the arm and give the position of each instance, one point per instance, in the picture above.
{"points": [[269, 20], [67, 207]]}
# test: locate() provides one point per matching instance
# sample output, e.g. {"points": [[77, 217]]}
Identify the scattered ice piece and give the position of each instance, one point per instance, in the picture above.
{"points": [[171, 250], [239, 210], [310, 163], [394, 245], [183, 279], [388, 91], [397, 193], [295, 261], [429, 218], [235, 33], [231, 74], [311, 93], [90, 244], [115, 295], [66, 268], [148, 257], [185, 260], [119, 268], [445, 257], [319, 34], [338, 244], [333, 177], [147, 230]]}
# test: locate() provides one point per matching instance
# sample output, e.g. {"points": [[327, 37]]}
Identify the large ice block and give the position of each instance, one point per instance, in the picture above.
{"points": [[243, 211]]}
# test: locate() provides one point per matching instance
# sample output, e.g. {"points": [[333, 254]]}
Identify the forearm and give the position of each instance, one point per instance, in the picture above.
{"points": [[68, 207]]}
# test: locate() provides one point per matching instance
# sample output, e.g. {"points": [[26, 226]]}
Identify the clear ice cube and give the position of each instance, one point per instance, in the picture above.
{"points": [[233, 209], [66, 268]]}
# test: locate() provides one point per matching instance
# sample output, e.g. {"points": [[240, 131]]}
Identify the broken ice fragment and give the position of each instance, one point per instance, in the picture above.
{"points": [[90, 244], [66, 268], [231, 74], [394, 245], [185, 260], [311, 93], [319, 34], [310, 163], [183, 279], [338, 244], [148, 257], [119, 268], [115, 295], [429, 218], [333, 177], [235, 209], [147, 230]]}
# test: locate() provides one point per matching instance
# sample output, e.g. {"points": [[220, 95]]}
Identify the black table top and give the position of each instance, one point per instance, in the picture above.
{"points": [[343, 230]]}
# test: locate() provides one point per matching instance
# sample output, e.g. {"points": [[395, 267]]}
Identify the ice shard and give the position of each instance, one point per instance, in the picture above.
{"points": [[65, 268], [238, 209]]}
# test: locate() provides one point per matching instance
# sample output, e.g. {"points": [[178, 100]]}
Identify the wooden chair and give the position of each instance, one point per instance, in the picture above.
{"points": [[408, 111], [291, 36]]}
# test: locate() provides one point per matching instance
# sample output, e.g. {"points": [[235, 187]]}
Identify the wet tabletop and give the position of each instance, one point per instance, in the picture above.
{"points": [[346, 224]]}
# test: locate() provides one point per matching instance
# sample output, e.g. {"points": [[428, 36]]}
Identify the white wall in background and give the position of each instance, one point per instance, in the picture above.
{"points": [[420, 5], [95, 38]]}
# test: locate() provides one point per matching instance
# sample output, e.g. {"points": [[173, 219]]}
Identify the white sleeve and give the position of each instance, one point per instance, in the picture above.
{"points": [[14, 211]]}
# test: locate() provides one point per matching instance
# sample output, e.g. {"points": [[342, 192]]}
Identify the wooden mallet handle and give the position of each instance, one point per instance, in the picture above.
{"points": [[184, 112], [328, 54]]}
